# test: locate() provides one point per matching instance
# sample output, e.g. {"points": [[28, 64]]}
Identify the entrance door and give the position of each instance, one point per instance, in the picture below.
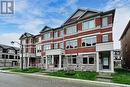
{"points": [[105, 63], [56, 60]]}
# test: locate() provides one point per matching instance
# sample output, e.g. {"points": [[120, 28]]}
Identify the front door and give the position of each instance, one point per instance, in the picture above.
{"points": [[105, 63], [56, 60]]}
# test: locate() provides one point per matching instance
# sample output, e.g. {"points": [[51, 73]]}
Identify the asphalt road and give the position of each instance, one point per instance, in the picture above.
{"points": [[15, 80]]}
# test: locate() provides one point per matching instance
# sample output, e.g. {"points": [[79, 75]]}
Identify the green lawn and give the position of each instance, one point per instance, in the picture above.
{"points": [[7, 68], [27, 70], [121, 76], [87, 75]]}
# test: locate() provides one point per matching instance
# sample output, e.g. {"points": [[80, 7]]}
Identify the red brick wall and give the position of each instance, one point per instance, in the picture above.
{"points": [[110, 37], [99, 38], [98, 21], [110, 19], [79, 27]]}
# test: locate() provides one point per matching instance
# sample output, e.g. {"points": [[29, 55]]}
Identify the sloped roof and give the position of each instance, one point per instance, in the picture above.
{"points": [[78, 14], [25, 35], [9, 47], [126, 29], [46, 28]]}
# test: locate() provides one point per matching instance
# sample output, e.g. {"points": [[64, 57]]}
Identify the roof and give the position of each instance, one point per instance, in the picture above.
{"points": [[126, 29], [9, 47], [46, 28], [25, 35]]}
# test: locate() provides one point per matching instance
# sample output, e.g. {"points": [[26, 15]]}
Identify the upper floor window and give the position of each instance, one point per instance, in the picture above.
{"points": [[47, 36], [61, 45], [71, 30], [105, 38], [55, 45], [61, 33], [11, 51], [1, 49], [55, 34], [89, 41], [88, 24], [104, 21], [71, 44], [47, 46], [38, 48]]}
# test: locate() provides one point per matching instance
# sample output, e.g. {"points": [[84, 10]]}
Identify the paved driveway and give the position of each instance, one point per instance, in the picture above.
{"points": [[14, 80]]}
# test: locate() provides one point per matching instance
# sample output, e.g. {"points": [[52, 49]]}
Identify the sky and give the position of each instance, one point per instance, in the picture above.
{"points": [[32, 15]]}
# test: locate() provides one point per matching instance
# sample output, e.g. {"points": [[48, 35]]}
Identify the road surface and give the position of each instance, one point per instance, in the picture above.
{"points": [[15, 80]]}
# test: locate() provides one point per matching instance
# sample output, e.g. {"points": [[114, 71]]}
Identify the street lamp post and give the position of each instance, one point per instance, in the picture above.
{"points": [[12, 42]]}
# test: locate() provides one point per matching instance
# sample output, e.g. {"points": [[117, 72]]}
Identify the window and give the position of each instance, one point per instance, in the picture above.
{"points": [[88, 58], [47, 46], [11, 51], [55, 45], [55, 34], [91, 60], [61, 33], [85, 60], [88, 24], [105, 38], [62, 45], [38, 48], [89, 41], [47, 36], [71, 44], [72, 59], [104, 21], [71, 30], [49, 59]]}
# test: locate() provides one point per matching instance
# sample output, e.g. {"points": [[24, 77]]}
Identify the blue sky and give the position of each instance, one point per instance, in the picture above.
{"points": [[32, 15]]}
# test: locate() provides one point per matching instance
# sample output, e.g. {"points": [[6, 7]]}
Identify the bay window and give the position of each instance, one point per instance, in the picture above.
{"points": [[71, 44], [88, 24], [89, 41], [71, 30]]}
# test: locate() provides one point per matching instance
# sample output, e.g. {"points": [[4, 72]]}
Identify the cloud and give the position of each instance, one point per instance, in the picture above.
{"points": [[6, 38], [122, 16]]}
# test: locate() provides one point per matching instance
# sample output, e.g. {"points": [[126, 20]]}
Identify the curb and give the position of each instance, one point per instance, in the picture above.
{"points": [[71, 79]]}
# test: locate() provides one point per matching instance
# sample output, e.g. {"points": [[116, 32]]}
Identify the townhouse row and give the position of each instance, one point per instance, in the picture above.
{"points": [[83, 42]]}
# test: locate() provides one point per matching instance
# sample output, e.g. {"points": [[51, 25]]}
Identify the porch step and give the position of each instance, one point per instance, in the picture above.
{"points": [[104, 77]]}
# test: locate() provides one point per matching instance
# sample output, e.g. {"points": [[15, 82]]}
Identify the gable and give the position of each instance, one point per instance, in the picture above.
{"points": [[75, 16], [88, 14], [26, 35], [46, 28]]}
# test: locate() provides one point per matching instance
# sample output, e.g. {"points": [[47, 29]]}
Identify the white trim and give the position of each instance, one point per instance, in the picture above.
{"points": [[87, 53]]}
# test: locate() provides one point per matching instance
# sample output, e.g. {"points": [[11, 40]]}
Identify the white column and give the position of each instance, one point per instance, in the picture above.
{"points": [[97, 61], [59, 61], [46, 63], [28, 62], [112, 61], [53, 59]]}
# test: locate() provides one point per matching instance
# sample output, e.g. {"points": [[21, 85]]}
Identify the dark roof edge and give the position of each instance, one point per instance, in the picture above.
{"points": [[126, 29]]}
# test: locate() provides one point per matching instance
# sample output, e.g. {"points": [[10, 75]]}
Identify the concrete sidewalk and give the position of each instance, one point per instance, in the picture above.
{"points": [[69, 79]]}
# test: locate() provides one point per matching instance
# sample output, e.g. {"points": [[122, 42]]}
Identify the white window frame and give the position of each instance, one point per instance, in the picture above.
{"points": [[105, 21], [86, 25], [70, 58], [72, 43], [71, 30], [47, 36], [55, 34], [47, 46], [55, 45], [61, 33], [105, 38], [86, 39], [61, 45]]}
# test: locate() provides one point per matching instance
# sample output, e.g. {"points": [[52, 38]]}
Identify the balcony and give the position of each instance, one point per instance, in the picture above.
{"points": [[55, 52], [104, 46]]}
